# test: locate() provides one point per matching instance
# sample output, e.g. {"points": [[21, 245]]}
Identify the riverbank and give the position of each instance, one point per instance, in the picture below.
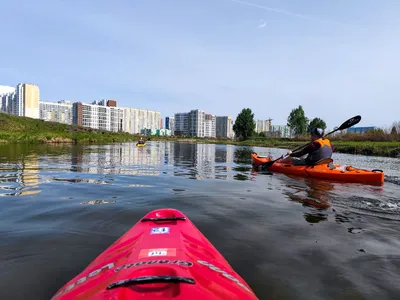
{"points": [[371, 148], [14, 129]]}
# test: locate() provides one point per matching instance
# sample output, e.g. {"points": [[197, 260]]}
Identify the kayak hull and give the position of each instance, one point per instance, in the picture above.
{"points": [[323, 171], [153, 249], [140, 145]]}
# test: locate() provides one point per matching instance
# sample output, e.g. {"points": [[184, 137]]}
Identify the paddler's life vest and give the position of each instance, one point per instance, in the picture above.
{"points": [[324, 152]]}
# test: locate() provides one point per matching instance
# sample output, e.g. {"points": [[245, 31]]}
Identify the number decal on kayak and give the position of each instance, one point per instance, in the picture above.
{"points": [[157, 252], [216, 269], [159, 230]]}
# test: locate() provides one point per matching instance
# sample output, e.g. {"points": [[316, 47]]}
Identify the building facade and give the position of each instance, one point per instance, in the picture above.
{"points": [[60, 111], [282, 131], [21, 101], [224, 127], [263, 125], [360, 130], [7, 102], [181, 126], [196, 123], [134, 120], [170, 124], [210, 125]]}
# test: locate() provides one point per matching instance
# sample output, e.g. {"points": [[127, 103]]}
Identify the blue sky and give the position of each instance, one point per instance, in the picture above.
{"points": [[335, 58]]}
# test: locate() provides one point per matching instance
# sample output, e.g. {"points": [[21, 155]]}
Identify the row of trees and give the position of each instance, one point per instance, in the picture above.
{"points": [[245, 125]]}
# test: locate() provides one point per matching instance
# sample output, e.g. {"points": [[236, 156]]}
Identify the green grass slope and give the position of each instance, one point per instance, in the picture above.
{"points": [[14, 129]]}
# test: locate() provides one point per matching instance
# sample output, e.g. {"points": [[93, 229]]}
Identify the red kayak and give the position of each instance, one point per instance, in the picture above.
{"points": [[163, 256]]}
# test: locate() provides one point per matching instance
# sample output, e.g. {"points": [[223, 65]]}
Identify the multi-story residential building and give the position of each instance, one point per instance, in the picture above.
{"points": [[283, 131], [103, 114], [210, 125], [60, 111], [20, 101], [170, 124], [6, 103], [137, 119], [224, 127], [263, 125], [181, 126], [26, 100], [196, 120]]}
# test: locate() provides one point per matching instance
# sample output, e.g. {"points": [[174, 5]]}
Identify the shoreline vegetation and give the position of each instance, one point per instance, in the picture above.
{"points": [[23, 130], [17, 130]]}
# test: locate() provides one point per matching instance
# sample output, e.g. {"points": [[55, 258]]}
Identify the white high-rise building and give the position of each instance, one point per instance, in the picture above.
{"points": [[263, 125], [136, 120], [196, 123], [60, 111], [224, 127], [210, 126], [7, 102], [26, 101], [181, 126]]}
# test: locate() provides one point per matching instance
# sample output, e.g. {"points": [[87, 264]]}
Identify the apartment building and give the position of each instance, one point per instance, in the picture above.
{"points": [[224, 127], [170, 124], [60, 111], [181, 126], [134, 120], [282, 131], [103, 114], [20, 101], [6, 102], [26, 100], [196, 123], [263, 125], [210, 125]]}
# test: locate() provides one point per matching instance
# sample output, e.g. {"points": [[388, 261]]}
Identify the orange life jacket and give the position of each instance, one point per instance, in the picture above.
{"points": [[324, 152]]}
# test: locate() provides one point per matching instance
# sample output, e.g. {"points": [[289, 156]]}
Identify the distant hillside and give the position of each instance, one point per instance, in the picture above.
{"points": [[14, 129]]}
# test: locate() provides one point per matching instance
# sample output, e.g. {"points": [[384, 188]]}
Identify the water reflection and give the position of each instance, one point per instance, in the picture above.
{"points": [[20, 179]]}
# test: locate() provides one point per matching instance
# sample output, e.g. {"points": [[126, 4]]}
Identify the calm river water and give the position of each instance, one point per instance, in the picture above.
{"points": [[268, 226]]}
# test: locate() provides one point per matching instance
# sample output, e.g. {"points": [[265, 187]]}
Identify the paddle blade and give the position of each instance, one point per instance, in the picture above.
{"points": [[350, 122]]}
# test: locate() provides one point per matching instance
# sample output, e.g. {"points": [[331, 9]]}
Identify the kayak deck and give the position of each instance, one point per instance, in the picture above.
{"points": [[327, 171], [163, 256]]}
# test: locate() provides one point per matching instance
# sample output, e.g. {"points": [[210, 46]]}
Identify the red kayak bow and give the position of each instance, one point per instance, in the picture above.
{"points": [[163, 256]]}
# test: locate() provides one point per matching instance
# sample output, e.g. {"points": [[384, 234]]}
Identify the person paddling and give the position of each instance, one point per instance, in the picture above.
{"points": [[140, 141], [320, 148]]}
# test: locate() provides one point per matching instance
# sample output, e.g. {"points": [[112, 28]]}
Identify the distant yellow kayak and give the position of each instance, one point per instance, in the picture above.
{"points": [[140, 145]]}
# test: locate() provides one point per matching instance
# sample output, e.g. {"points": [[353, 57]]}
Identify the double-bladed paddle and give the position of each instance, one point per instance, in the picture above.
{"points": [[350, 122]]}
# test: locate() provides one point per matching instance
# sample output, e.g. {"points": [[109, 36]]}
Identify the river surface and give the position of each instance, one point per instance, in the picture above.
{"points": [[289, 238]]}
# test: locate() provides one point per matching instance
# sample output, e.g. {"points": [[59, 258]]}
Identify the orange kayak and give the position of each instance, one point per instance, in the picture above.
{"points": [[327, 171]]}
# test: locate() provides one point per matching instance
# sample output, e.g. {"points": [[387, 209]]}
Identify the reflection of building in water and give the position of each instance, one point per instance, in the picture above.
{"points": [[124, 159], [205, 160], [26, 179]]}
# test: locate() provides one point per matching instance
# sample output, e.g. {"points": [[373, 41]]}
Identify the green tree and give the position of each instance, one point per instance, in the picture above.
{"points": [[297, 120], [244, 124], [394, 130], [317, 123]]}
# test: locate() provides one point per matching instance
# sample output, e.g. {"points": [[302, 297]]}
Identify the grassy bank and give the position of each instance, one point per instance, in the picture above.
{"points": [[373, 148], [15, 129]]}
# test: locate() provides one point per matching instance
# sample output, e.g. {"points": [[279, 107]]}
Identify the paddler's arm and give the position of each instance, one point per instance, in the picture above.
{"points": [[310, 148]]}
